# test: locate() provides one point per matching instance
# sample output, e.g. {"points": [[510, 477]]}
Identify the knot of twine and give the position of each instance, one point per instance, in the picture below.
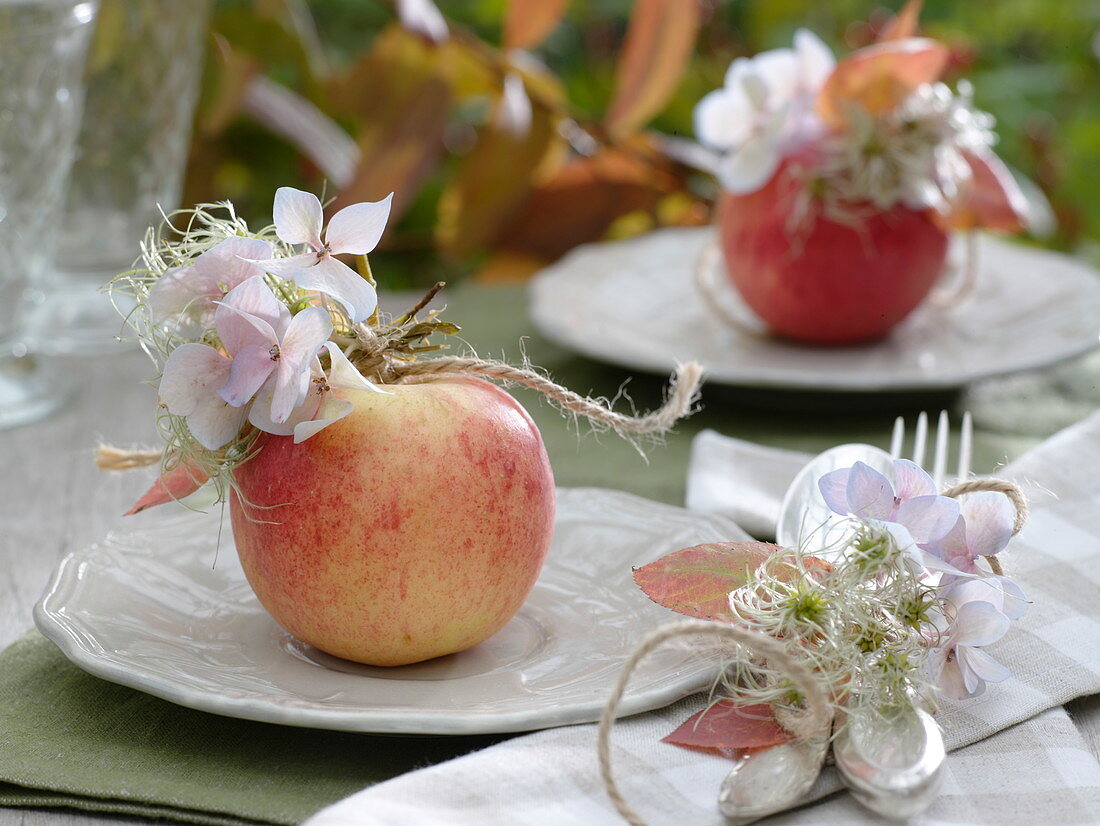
{"points": [[815, 719], [802, 725]]}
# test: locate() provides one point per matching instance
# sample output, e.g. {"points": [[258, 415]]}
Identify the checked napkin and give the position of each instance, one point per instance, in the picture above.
{"points": [[1017, 757]]}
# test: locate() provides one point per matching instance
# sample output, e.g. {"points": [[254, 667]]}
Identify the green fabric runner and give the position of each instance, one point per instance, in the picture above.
{"points": [[69, 739]]}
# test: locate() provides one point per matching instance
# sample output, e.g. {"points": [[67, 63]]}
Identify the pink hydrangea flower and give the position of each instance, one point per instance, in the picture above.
{"points": [[912, 501], [264, 347], [195, 290], [269, 347], [354, 230]]}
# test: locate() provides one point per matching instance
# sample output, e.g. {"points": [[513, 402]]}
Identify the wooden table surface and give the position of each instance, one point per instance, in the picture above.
{"points": [[54, 500]]}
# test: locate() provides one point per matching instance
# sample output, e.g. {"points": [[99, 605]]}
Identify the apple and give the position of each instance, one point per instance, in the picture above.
{"points": [[828, 283], [414, 527]]}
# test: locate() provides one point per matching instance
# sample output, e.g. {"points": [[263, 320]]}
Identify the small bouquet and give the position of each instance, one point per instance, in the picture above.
{"points": [[843, 178], [853, 642], [386, 508]]}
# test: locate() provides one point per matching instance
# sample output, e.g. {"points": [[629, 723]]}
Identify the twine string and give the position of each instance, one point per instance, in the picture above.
{"points": [[681, 398], [683, 394], [816, 718]]}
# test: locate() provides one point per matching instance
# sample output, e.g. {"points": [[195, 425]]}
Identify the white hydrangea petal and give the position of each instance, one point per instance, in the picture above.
{"points": [[736, 72], [869, 493], [250, 314], [215, 422], [192, 373], [984, 666], [1014, 600], [989, 518], [304, 336], [341, 282], [331, 410], [250, 368], [779, 72], [342, 375], [815, 60], [979, 623], [298, 217], [259, 414], [952, 682], [834, 490], [911, 480], [928, 518], [751, 166], [180, 289], [357, 229], [723, 119], [232, 261]]}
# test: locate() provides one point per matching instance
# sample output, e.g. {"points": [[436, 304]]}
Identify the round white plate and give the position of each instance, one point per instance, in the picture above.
{"points": [[635, 303], [153, 609]]}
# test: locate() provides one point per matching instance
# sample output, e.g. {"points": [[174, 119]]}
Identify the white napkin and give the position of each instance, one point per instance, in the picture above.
{"points": [[742, 480], [1027, 764]]}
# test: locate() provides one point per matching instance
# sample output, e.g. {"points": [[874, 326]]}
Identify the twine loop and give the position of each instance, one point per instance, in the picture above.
{"points": [[815, 719], [1009, 489]]}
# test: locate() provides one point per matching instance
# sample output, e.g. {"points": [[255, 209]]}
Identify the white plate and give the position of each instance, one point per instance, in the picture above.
{"points": [[151, 609], [635, 303]]}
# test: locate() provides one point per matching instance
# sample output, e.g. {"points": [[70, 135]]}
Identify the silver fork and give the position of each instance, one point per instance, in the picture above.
{"points": [[940, 449]]}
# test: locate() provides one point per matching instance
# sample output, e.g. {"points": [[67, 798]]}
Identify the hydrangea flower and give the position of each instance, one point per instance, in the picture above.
{"points": [[764, 102], [984, 528], [354, 230], [189, 386], [959, 666], [269, 346], [321, 407], [912, 501], [196, 289], [263, 347]]}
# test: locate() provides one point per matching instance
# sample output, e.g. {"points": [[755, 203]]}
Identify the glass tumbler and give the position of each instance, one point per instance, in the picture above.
{"points": [[142, 81], [43, 45]]}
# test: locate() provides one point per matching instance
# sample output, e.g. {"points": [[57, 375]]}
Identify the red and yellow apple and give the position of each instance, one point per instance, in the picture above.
{"points": [[828, 282], [414, 527]]}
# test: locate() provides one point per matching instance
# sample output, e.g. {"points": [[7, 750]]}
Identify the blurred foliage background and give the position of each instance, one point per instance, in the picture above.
{"points": [[496, 177]]}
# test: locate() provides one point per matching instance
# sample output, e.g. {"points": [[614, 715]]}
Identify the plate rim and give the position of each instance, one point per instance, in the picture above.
{"points": [[542, 317], [78, 646]]}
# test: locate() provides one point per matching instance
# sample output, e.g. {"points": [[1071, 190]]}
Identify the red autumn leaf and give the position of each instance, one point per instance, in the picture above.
{"points": [[655, 53], [528, 22], [879, 77], [903, 24], [727, 725], [697, 581], [992, 199], [184, 479]]}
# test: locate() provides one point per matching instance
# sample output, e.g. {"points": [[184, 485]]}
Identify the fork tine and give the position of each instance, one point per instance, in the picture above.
{"points": [[966, 443], [939, 454], [921, 439], [897, 437]]}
